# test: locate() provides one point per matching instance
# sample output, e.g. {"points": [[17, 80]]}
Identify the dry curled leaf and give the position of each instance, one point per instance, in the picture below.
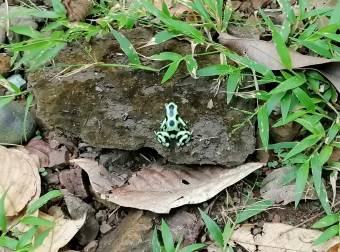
{"points": [[273, 188], [20, 176], [77, 10], [265, 53], [278, 237], [160, 188], [64, 230], [5, 63]]}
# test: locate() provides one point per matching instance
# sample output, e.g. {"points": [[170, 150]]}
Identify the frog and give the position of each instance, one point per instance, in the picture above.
{"points": [[173, 128]]}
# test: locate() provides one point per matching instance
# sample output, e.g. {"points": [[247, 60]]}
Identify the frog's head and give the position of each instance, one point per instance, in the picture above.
{"points": [[171, 110]]}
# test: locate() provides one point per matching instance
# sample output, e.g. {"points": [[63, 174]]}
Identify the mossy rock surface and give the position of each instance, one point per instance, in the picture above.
{"points": [[12, 117]]}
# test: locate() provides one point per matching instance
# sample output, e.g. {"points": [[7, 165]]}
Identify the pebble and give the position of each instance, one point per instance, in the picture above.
{"points": [[104, 228]]}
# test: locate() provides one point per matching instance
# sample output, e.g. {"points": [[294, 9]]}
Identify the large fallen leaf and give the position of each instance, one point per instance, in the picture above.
{"points": [[20, 176], [265, 52], [273, 187], [160, 188], [63, 231], [278, 237]]}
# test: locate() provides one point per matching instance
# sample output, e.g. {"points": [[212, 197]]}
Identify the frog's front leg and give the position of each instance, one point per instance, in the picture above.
{"points": [[163, 125], [163, 138], [181, 124], [183, 137]]}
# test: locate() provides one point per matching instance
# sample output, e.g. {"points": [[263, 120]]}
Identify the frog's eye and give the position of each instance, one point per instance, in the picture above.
{"points": [[171, 106], [171, 123]]}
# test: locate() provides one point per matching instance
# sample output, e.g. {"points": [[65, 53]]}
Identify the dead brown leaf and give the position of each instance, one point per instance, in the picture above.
{"points": [[132, 234], [48, 157], [77, 10], [265, 53], [72, 180], [160, 188], [64, 230], [273, 188], [20, 176], [335, 248], [5, 63], [278, 237]]}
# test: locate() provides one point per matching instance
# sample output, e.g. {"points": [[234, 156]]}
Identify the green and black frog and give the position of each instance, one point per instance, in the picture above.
{"points": [[173, 128]]}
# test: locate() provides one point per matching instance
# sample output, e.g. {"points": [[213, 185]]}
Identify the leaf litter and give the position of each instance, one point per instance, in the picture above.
{"points": [[160, 188]]}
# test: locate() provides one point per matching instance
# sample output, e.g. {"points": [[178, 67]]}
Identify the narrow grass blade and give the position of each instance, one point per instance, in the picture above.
{"points": [[289, 84], [43, 200], [166, 56], [285, 105], [279, 42], [170, 71], [27, 237], [253, 209], [291, 117], [327, 234], [156, 247], [232, 83], [307, 142], [59, 8], [325, 153], [36, 221], [193, 247], [5, 100], [167, 237], [214, 230], [192, 66], [304, 98], [214, 70], [3, 220], [26, 30], [8, 242], [326, 221], [316, 172], [126, 47], [301, 181], [161, 37], [335, 17], [263, 125]]}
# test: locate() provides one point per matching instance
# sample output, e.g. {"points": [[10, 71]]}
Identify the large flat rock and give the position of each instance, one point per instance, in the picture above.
{"points": [[121, 108]]}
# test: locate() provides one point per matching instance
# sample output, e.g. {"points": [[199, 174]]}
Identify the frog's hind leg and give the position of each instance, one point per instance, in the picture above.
{"points": [[183, 137], [163, 138]]}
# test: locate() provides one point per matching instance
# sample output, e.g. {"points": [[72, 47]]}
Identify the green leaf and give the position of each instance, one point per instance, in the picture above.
{"points": [[8, 242], [314, 128], [332, 36], [191, 64], [167, 56], [279, 42], [323, 197], [156, 247], [301, 181], [27, 237], [214, 70], [325, 153], [304, 98], [326, 221], [26, 30], [289, 84], [263, 124], [40, 237], [36, 221], [232, 83], [302, 145], [213, 229], [253, 209], [335, 17], [3, 220], [167, 237], [5, 100], [43, 200], [319, 46], [171, 71], [227, 232], [126, 47], [161, 37], [198, 6], [327, 234], [59, 8], [316, 172], [291, 117], [193, 247], [332, 132], [285, 105]]}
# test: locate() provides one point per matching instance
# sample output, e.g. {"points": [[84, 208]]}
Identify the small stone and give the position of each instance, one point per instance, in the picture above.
{"points": [[91, 247], [73, 182], [276, 218], [12, 117], [52, 179], [210, 104], [257, 230], [104, 228], [17, 81], [101, 216]]}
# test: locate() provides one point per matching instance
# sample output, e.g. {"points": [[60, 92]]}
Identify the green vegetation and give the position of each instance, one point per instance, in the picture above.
{"points": [[332, 224], [219, 237], [37, 229], [299, 96]]}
